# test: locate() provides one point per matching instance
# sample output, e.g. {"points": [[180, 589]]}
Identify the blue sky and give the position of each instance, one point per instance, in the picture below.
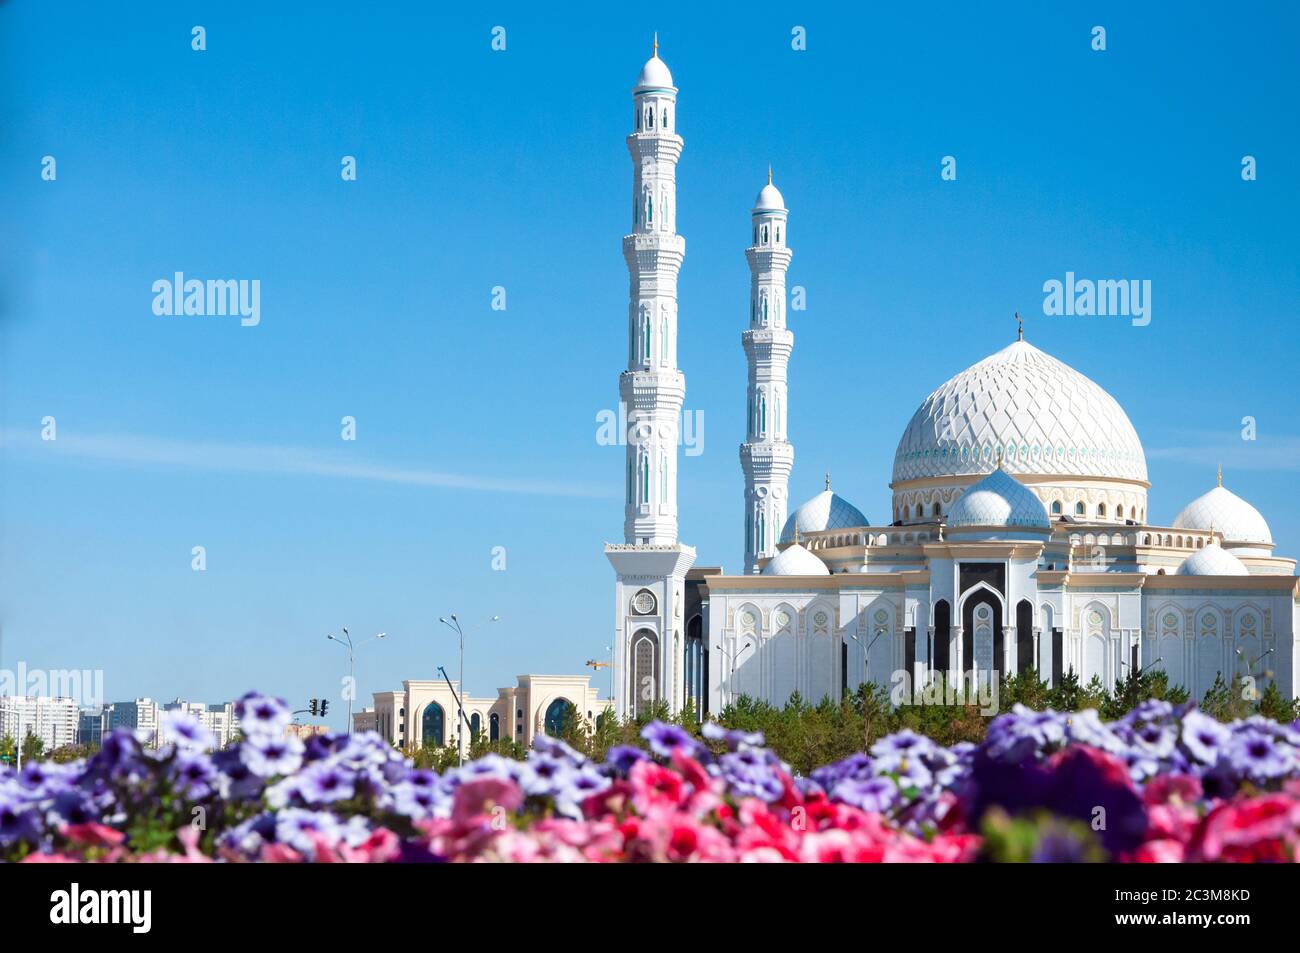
{"points": [[476, 428]]}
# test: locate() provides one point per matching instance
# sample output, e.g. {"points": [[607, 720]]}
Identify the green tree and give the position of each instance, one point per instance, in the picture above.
{"points": [[33, 748]]}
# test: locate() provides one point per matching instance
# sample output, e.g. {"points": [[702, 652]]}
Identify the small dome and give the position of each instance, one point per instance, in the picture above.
{"points": [[654, 75], [998, 500], [1212, 560], [826, 510], [1226, 513], [769, 199], [794, 560]]}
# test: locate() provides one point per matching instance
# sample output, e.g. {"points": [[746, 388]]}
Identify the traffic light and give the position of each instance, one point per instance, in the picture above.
{"points": [[312, 707], [324, 706]]}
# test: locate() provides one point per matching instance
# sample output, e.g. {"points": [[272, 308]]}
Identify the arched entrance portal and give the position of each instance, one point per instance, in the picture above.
{"points": [[433, 725], [981, 618], [560, 714]]}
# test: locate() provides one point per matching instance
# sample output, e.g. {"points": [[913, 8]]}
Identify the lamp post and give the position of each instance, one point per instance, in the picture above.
{"points": [[731, 658], [454, 625], [347, 643]]}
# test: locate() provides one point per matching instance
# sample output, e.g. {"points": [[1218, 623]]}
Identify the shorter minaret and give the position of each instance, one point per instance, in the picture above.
{"points": [[766, 456]]}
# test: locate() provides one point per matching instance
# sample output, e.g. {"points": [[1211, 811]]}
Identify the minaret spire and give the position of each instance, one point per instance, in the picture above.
{"points": [[766, 456], [1220, 474], [1020, 328], [655, 51], [651, 563]]}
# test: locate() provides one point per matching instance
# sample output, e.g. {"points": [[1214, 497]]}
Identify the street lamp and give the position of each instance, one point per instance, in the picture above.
{"points": [[347, 643], [731, 658], [454, 625], [866, 652]]}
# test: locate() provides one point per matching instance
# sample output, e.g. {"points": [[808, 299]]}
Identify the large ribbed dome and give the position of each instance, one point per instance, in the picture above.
{"points": [[1043, 415]]}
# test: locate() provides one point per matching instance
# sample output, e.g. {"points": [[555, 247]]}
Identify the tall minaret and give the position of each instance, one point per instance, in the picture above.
{"points": [[766, 456], [651, 563]]}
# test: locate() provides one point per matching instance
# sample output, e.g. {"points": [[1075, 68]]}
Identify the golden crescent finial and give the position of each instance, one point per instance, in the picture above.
{"points": [[1020, 328], [656, 48], [1220, 474], [828, 480], [769, 173]]}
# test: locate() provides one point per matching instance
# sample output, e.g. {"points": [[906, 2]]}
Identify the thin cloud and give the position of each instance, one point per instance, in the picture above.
{"points": [[277, 461], [1213, 447]]}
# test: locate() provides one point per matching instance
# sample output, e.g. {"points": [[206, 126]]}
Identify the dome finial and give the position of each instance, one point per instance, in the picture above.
{"points": [[998, 457], [1020, 328], [796, 534], [1220, 474], [769, 173], [655, 51], [828, 479]]}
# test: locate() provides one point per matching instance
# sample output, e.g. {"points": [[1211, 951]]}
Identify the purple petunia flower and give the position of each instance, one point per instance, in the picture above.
{"points": [[620, 758], [185, 731], [268, 756], [262, 715], [1258, 755], [664, 739], [1203, 737], [876, 795], [295, 827], [324, 783]]}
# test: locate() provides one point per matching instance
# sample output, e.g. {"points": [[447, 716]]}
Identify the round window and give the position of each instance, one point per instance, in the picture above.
{"points": [[643, 603]]}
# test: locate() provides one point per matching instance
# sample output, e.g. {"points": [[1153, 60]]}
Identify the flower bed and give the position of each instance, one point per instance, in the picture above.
{"points": [[1164, 783]]}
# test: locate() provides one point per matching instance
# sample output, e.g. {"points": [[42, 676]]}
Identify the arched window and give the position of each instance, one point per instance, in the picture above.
{"points": [[1101, 510], [645, 478], [762, 414], [776, 419], [663, 339], [433, 725], [664, 117], [1119, 512], [645, 336], [560, 714], [762, 532], [645, 672], [663, 211], [475, 725], [778, 234], [1080, 509], [1025, 636], [663, 479], [494, 727], [935, 510], [696, 666], [649, 208], [907, 512], [942, 626], [1056, 507]]}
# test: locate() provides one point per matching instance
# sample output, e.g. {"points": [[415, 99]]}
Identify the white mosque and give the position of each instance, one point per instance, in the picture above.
{"points": [[1018, 539]]}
